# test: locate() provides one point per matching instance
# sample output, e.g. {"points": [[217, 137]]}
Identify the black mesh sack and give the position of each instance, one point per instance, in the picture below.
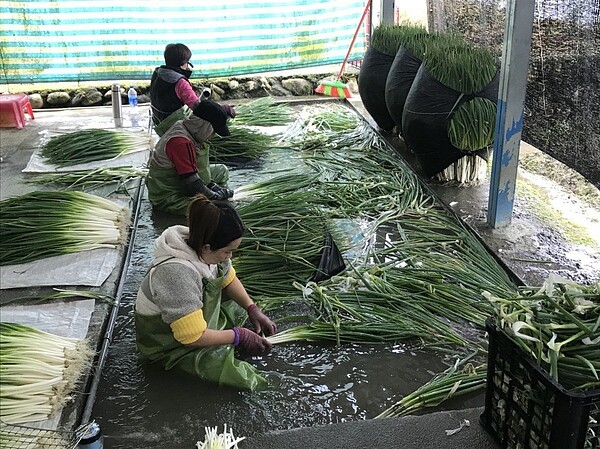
{"points": [[331, 262], [428, 109], [401, 76], [371, 86]]}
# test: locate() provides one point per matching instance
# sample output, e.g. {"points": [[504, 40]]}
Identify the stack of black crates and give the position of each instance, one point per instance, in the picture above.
{"points": [[526, 409]]}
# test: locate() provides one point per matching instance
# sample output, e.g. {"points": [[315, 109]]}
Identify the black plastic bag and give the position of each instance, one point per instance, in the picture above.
{"points": [[371, 86], [401, 76], [331, 262], [428, 109]]}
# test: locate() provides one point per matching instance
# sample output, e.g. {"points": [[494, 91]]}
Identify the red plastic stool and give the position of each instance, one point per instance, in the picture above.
{"points": [[12, 110]]}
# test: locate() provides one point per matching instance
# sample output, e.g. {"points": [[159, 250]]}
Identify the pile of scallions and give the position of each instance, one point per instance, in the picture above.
{"points": [[90, 145], [459, 379], [558, 326], [243, 144], [42, 224], [38, 371], [420, 273], [263, 111]]}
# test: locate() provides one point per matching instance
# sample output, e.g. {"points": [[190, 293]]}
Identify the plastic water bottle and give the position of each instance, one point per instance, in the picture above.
{"points": [[92, 439], [132, 95]]}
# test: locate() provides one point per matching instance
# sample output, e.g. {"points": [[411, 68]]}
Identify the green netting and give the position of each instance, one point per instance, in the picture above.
{"points": [[562, 107]]}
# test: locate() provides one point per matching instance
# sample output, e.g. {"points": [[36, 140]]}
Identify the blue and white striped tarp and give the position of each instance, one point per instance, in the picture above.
{"points": [[51, 41]]}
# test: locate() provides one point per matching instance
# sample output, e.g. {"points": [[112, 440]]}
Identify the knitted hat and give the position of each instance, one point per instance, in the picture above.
{"points": [[213, 113]]}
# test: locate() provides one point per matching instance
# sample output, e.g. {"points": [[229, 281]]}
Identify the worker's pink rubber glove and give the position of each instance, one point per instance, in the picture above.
{"points": [[250, 342], [229, 110], [260, 321]]}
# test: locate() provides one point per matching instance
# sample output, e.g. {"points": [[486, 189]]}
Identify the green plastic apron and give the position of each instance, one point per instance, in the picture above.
{"points": [[166, 191], [180, 114], [156, 343]]}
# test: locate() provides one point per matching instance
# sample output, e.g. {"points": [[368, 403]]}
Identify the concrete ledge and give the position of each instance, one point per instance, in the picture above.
{"points": [[409, 432]]}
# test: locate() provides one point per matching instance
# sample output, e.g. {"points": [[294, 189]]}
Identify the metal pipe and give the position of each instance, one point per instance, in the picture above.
{"points": [[93, 390]]}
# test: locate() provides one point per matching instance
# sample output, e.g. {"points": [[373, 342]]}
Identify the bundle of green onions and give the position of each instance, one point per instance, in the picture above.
{"points": [[38, 370], [458, 65], [43, 224], [262, 112], [89, 179], [558, 326], [389, 38], [318, 122], [285, 235], [472, 126], [91, 145], [243, 143], [62, 295], [453, 382], [466, 69]]}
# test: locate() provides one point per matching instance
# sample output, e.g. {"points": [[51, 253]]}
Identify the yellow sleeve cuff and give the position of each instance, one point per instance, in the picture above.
{"points": [[189, 328], [229, 278]]}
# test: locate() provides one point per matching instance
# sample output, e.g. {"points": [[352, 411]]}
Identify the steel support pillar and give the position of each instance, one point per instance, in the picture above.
{"points": [[387, 12], [509, 117]]}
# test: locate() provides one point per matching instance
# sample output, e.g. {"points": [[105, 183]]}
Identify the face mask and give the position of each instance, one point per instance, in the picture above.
{"points": [[186, 73]]}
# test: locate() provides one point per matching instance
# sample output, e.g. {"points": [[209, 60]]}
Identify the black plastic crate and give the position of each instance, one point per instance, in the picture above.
{"points": [[526, 409]]}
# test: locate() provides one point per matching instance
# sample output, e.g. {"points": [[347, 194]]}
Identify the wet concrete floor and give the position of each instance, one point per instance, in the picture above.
{"points": [[531, 246]]}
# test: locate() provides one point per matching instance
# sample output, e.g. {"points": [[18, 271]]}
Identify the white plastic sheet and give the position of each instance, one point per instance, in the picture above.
{"points": [[37, 163], [84, 268]]}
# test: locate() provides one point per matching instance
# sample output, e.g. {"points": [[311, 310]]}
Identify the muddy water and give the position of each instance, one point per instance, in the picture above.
{"points": [[140, 406]]}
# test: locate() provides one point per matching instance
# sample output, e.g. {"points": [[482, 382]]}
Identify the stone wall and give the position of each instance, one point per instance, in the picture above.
{"points": [[222, 89]]}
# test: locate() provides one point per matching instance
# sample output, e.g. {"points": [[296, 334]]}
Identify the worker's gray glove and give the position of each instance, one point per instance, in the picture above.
{"points": [[250, 342], [260, 321], [221, 194], [217, 188], [197, 186]]}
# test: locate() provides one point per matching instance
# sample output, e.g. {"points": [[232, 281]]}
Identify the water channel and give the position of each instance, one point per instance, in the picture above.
{"points": [[141, 406]]}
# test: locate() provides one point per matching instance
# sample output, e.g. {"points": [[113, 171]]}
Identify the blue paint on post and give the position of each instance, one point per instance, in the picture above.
{"points": [[505, 203], [515, 128], [507, 156]]}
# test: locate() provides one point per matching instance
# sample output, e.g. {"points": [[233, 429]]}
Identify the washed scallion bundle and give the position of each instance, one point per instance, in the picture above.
{"points": [[62, 295], [91, 145], [89, 179], [44, 223], [243, 144], [262, 112], [38, 371], [472, 126]]}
